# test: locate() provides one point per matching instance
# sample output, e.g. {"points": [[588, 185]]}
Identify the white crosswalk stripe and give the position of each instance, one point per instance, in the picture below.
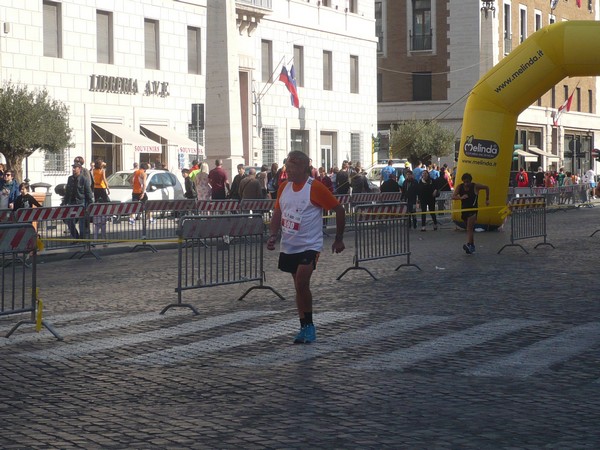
{"points": [[444, 345], [96, 345], [93, 327], [262, 333], [351, 339], [542, 354]]}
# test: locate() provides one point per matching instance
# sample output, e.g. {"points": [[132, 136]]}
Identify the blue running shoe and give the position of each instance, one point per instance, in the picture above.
{"points": [[472, 247], [467, 249], [306, 335]]}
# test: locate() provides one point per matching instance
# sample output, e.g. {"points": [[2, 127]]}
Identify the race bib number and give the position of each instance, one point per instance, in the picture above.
{"points": [[290, 223]]}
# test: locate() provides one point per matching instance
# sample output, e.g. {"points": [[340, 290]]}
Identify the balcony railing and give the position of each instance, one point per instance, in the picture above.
{"points": [[421, 41], [267, 4]]}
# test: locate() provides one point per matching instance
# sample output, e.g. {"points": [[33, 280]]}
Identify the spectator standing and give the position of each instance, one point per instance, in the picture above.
{"points": [[263, 179], [387, 171], [272, 181], [298, 215], [249, 186], [539, 177], [312, 170], [324, 178], [343, 179], [25, 199], [426, 194], [390, 185], [234, 192], [522, 178], [9, 191], [188, 184], [417, 171], [409, 195], [84, 171], [217, 178], [101, 190], [203, 190], [359, 182], [78, 192], [468, 192], [434, 173]]}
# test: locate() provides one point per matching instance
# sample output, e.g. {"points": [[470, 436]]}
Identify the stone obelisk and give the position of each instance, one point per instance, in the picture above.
{"points": [[223, 123]]}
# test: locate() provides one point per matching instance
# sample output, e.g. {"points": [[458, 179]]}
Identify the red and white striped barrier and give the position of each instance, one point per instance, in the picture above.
{"points": [[217, 205], [257, 205], [17, 238], [47, 213], [390, 196], [214, 227], [364, 197], [114, 209], [171, 205], [380, 212], [344, 199]]}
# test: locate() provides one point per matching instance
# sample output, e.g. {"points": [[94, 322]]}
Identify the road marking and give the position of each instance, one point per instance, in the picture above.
{"points": [[51, 318], [93, 327], [444, 345], [262, 333], [60, 352], [363, 336], [542, 354]]}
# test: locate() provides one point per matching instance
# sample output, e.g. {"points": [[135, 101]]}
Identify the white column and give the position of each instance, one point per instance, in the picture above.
{"points": [[223, 123]]}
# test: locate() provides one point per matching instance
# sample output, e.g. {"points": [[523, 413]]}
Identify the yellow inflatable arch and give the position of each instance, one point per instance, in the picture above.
{"points": [[490, 118]]}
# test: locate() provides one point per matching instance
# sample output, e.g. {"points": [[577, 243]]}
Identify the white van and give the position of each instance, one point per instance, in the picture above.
{"points": [[374, 172]]}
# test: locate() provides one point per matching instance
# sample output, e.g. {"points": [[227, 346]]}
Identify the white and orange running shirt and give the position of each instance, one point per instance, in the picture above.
{"points": [[302, 208]]}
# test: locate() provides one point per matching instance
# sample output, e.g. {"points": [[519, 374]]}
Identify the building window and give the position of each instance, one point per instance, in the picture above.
{"points": [[268, 146], [52, 30], [578, 99], [327, 71], [590, 101], [522, 24], [194, 50], [507, 30], [379, 26], [421, 33], [421, 86], [379, 87], [352, 6], [104, 37], [566, 91], [538, 20], [299, 141], [151, 44], [355, 147], [266, 61], [553, 97], [55, 162], [326, 3], [354, 74], [299, 64]]}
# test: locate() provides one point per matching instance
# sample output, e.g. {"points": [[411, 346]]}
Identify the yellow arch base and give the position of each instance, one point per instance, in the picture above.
{"points": [[540, 62]]}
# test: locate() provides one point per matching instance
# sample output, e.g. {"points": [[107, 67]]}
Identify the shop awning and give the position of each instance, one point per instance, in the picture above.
{"points": [[129, 137], [183, 143], [539, 151], [528, 157]]}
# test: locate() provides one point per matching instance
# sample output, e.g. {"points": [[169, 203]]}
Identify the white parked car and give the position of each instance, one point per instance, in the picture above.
{"points": [[160, 185]]}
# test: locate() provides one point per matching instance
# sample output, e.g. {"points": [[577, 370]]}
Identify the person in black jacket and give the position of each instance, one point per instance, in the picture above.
{"points": [[426, 190], [390, 185], [78, 192], [409, 195], [25, 200]]}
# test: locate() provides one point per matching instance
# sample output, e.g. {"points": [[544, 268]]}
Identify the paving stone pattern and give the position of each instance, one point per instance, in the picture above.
{"points": [[479, 351]]}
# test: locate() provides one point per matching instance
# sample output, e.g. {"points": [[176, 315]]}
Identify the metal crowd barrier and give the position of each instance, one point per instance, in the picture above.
{"points": [[18, 243], [382, 231], [527, 220], [220, 250], [114, 222], [56, 226], [444, 203], [264, 207], [217, 206], [161, 220]]}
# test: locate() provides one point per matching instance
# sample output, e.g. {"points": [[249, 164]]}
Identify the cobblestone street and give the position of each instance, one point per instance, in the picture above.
{"points": [[473, 351]]}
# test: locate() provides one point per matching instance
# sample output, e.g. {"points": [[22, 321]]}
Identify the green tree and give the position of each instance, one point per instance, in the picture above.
{"points": [[30, 121], [420, 140]]}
